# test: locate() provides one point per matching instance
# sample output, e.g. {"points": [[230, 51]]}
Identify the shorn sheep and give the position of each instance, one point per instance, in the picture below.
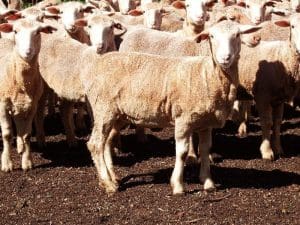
{"points": [[194, 94], [21, 88]]}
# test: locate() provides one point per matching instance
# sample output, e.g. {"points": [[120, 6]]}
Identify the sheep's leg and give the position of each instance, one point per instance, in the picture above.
{"points": [[182, 138], [96, 146], [205, 143], [7, 134], [108, 154], [39, 121], [68, 122], [51, 101], [191, 156], [80, 121], [140, 135], [265, 114], [277, 119], [23, 127], [245, 108]]}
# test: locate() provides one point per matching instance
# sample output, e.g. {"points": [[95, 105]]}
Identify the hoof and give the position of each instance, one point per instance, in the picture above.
{"points": [[177, 189], [209, 185], [268, 156], [109, 187], [7, 166], [26, 165], [191, 160]]}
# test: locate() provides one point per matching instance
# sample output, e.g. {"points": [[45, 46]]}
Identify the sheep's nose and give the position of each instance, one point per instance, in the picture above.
{"points": [[226, 57], [100, 48]]}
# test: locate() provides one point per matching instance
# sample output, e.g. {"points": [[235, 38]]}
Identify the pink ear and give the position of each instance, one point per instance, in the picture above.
{"points": [[282, 23], [14, 16], [178, 5], [6, 27], [81, 22], [53, 10], [202, 36], [135, 12]]}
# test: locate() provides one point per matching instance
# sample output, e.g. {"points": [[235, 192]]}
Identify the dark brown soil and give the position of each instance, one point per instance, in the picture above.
{"points": [[63, 187]]}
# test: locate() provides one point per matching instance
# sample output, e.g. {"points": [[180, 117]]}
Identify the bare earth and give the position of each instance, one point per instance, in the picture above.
{"points": [[63, 189]]}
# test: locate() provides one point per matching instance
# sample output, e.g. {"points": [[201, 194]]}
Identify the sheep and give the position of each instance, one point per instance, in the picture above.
{"points": [[101, 30], [21, 87], [149, 94], [102, 5], [272, 76]]}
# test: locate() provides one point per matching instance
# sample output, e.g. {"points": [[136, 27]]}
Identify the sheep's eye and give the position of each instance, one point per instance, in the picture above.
{"points": [[211, 36], [89, 26], [292, 26], [187, 5], [247, 6], [15, 31]]}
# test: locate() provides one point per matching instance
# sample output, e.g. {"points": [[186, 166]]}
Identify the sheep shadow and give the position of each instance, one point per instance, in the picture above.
{"points": [[226, 177]]}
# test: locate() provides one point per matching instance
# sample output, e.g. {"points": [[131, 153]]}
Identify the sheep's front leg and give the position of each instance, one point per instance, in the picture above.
{"points": [[141, 135], [182, 138], [24, 127], [277, 120], [265, 115], [6, 127], [205, 143], [96, 146], [80, 121], [66, 109], [191, 156]]}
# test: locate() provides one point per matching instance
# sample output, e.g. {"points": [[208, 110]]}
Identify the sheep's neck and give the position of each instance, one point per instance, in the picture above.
{"points": [[190, 29], [25, 74]]}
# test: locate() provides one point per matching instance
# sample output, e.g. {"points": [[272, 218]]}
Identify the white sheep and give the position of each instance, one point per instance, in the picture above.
{"points": [[159, 91], [21, 88]]}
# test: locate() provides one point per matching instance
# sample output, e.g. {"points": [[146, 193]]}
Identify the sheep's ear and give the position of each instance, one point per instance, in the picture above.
{"points": [[178, 4], [6, 27], [135, 12], [7, 12], [221, 19], [224, 2], [247, 29], [242, 4], [88, 8], [121, 29], [81, 22], [15, 16], [53, 9], [47, 29], [282, 23], [210, 3], [202, 36], [270, 3]]}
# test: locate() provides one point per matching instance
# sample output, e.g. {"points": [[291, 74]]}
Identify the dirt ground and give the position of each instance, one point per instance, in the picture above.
{"points": [[63, 189]]}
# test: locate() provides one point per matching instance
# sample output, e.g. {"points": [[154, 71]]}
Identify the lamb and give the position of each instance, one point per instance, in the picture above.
{"points": [[21, 87], [181, 81]]}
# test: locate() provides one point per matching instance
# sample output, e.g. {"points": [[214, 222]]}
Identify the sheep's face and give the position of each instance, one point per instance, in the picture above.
{"points": [[153, 18], [225, 41], [256, 9], [100, 30], [70, 12], [295, 5], [196, 10], [27, 36], [126, 5]]}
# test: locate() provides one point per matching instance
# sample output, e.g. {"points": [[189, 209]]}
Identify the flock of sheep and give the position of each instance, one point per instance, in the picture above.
{"points": [[190, 64]]}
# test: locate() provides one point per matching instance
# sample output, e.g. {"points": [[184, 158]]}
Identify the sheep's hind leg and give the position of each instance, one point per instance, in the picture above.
{"points": [[66, 110], [275, 138], [6, 127]]}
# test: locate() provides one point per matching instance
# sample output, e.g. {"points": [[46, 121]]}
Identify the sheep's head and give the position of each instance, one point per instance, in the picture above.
{"points": [[256, 9], [226, 41], [196, 10], [294, 23], [126, 5], [27, 36], [101, 31], [70, 12]]}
